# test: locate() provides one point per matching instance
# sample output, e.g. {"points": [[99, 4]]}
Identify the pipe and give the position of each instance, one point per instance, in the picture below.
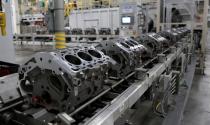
{"points": [[60, 39]]}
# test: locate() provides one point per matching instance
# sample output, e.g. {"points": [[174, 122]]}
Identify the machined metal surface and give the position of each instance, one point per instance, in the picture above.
{"points": [[50, 38], [153, 42], [76, 31], [9, 92], [126, 52], [170, 35], [104, 31], [64, 79], [161, 41]]}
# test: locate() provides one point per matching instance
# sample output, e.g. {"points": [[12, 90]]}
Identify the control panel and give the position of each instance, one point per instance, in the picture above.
{"points": [[133, 19]]}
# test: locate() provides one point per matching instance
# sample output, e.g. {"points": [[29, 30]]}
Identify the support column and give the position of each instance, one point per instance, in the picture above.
{"points": [[60, 38], [158, 17], [204, 36]]}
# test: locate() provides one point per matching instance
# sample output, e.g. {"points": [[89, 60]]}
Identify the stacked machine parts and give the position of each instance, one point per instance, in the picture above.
{"points": [[64, 80]]}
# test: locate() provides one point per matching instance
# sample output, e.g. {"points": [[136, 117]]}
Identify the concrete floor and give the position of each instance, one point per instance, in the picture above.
{"points": [[197, 110], [23, 53]]}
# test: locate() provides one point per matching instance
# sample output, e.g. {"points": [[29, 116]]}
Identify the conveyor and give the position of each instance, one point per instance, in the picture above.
{"points": [[50, 38], [127, 98], [109, 105], [74, 86]]}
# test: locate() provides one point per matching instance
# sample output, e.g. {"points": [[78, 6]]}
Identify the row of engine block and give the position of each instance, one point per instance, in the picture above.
{"points": [[64, 79]]}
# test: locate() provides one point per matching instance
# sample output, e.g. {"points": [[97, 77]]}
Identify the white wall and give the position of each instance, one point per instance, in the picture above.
{"points": [[95, 18]]}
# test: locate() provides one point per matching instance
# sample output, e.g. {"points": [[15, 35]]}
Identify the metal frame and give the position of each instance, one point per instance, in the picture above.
{"points": [[204, 36]]}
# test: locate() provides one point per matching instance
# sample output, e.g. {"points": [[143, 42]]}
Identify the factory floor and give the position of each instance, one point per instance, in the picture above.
{"points": [[197, 110], [26, 51]]}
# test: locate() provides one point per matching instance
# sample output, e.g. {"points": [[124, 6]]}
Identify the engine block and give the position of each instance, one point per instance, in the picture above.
{"points": [[64, 79], [104, 31], [161, 41], [170, 35], [126, 52], [154, 43]]}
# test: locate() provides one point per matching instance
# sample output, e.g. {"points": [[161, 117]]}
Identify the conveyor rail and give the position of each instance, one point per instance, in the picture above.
{"points": [[120, 95]]}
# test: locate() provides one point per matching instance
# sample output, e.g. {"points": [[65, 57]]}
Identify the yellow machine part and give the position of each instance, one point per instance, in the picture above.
{"points": [[107, 2], [102, 3], [80, 4], [84, 4], [68, 8], [3, 23]]}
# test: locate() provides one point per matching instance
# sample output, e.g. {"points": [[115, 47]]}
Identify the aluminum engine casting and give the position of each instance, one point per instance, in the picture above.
{"points": [[161, 41], [77, 31], [172, 36], [154, 43], [64, 79], [126, 52], [104, 31]]}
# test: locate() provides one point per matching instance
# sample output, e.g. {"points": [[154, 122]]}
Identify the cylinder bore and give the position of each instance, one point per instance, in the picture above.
{"points": [[125, 45], [133, 42], [94, 53], [84, 56], [129, 43], [73, 59]]}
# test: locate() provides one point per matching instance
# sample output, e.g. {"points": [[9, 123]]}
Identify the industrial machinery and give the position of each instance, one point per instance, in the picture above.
{"points": [[90, 31], [154, 42], [104, 31], [77, 31], [64, 79], [69, 7], [133, 19], [95, 85], [170, 35], [3, 23], [161, 41], [7, 68], [126, 52]]}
